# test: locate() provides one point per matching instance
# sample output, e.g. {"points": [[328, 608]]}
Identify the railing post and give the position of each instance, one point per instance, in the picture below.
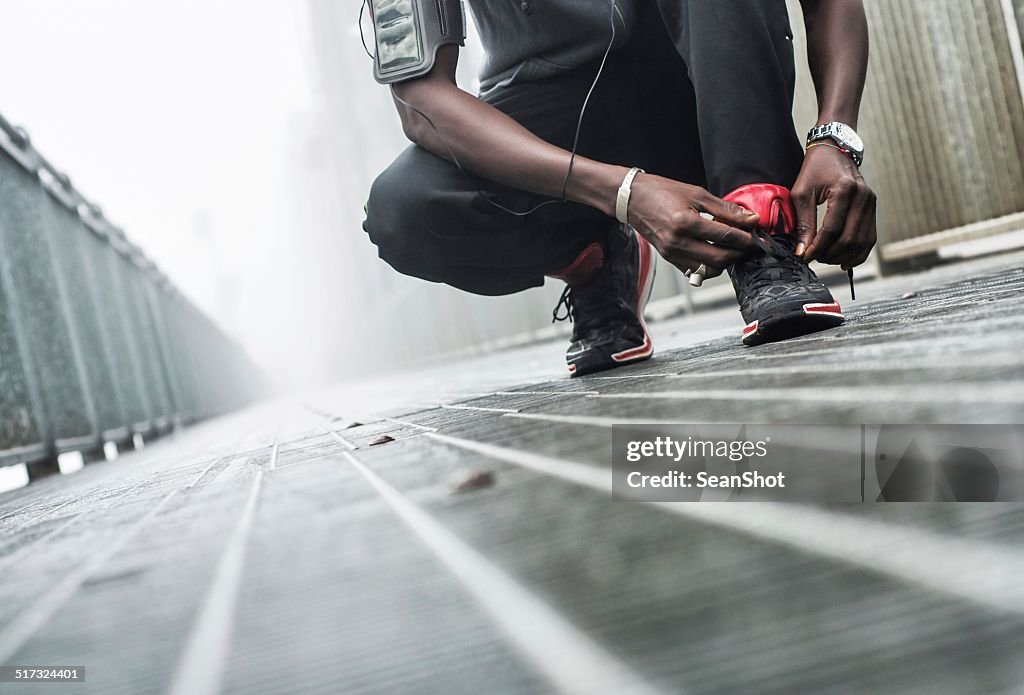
{"points": [[23, 426], [37, 303], [43, 468]]}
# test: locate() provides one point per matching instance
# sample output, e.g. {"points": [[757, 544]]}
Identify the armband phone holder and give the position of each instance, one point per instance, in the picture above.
{"points": [[408, 33]]}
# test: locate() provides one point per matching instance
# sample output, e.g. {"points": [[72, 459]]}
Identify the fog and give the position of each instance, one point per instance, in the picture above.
{"points": [[202, 128]]}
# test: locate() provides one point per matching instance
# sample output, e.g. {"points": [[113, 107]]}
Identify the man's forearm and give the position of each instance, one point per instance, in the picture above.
{"points": [[837, 47], [490, 144], [485, 141]]}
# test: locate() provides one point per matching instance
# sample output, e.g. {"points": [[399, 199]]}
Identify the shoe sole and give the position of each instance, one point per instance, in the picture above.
{"points": [[804, 320], [645, 286]]}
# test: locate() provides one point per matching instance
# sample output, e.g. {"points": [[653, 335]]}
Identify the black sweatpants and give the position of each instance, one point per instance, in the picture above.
{"points": [[702, 93]]}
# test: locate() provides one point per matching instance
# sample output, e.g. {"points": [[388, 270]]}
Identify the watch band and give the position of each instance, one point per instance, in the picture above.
{"points": [[820, 132], [834, 131], [622, 199]]}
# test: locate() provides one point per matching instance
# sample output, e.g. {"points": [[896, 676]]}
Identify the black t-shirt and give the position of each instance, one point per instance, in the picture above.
{"points": [[546, 38]]}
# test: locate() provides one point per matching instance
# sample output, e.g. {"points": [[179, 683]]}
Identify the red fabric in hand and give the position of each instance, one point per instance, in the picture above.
{"points": [[773, 203]]}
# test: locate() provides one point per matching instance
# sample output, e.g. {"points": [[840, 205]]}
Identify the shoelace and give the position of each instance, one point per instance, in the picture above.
{"points": [[589, 305], [760, 274], [565, 301], [783, 252]]}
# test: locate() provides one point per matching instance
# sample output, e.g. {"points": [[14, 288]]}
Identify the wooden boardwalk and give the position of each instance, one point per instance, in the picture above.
{"points": [[292, 548]]}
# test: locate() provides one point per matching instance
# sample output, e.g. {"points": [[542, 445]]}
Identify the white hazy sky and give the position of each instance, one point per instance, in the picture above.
{"points": [[173, 116]]}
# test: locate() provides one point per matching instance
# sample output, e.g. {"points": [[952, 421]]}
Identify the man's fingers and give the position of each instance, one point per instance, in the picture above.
{"points": [[724, 235], [729, 213], [710, 255], [846, 247], [868, 235], [806, 219], [832, 226], [855, 240]]}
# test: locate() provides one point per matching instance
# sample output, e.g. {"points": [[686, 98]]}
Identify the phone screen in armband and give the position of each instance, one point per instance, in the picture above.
{"points": [[396, 28]]}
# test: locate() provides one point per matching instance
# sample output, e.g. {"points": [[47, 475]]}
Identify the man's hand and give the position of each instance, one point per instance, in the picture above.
{"points": [[848, 232], [668, 214], [837, 51]]}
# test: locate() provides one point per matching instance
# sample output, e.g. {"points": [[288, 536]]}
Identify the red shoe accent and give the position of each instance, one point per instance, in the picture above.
{"points": [[750, 328], [773, 203], [827, 309], [645, 350], [583, 268], [644, 286]]}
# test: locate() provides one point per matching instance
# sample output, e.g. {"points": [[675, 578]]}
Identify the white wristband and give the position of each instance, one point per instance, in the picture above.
{"points": [[622, 200]]}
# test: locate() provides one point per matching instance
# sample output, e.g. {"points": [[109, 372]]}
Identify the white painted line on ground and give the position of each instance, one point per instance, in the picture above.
{"points": [[344, 442], [599, 421], [478, 409], [982, 574], [1005, 392], [376, 418], [203, 474], [201, 666], [782, 437], [29, 621], [565, 655], [628, 376], [543, 393], [579, 473], [458, 395], [405, 423], [275, 454]]}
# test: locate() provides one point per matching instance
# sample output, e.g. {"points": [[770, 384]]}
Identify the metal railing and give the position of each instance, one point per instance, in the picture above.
{"points": [[96, 345]]}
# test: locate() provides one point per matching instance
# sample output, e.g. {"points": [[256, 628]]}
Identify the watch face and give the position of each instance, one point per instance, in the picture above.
{"points": [[849, 136]]}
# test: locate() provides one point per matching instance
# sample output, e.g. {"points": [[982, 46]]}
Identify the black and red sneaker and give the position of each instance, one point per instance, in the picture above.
{"points": [[780, 296], [607, 310]]}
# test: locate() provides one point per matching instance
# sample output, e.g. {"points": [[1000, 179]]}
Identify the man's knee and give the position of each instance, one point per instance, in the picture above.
{"points": [[416, 215], [394, 208], [429, 220]]}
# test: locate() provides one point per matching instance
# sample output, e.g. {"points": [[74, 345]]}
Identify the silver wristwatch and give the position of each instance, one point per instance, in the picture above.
{"points": [[843, 135]]}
